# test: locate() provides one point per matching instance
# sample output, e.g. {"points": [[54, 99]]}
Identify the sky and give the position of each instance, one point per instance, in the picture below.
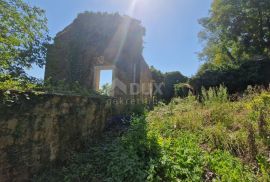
{"points": [[171, 41]]}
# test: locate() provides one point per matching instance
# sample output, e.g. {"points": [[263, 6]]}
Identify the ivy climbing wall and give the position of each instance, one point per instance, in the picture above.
{"points": [[100, 40]]}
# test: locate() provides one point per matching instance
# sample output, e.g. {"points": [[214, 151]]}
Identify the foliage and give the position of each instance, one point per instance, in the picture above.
{"points": [[236, 39], [236, 30], [221, 129], [158, 77], [264, 166], [181, 159], [106, 89], [215, 95], [186, 140], [182, 90], [168, 80], [7, 82], [23, 37], [63, 87], [236, 79], [118, 158], [229, 168]]}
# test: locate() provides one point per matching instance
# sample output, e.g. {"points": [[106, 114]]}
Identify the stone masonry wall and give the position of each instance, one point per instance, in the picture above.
{"points": [[37, 129]]}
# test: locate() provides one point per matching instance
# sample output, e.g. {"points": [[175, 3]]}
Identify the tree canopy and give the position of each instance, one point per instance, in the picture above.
{"points": [[236, 40], [23, 37], [236, 30]]}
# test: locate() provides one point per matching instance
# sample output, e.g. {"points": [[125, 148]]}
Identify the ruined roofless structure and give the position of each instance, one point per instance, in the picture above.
{"points": [[101, 41]]}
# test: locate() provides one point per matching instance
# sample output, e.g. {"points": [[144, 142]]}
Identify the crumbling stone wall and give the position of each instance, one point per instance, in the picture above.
{"points": [[37, 129], [99, 39]]}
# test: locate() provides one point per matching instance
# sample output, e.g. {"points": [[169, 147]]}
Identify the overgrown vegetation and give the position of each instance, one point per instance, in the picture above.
{"points": [[236, 38], [236, 31], [186, 140], [23, 41], [205, 137], [166, 82], [7, 82], [106, 89], [23, 37], [236, 79]]}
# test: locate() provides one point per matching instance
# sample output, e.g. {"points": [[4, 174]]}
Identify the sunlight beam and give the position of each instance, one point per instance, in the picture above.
{"points": [[122, 31]]}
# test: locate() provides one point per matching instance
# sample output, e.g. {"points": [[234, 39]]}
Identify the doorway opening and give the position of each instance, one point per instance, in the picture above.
{"points": [[104, 80], [105, 83]]}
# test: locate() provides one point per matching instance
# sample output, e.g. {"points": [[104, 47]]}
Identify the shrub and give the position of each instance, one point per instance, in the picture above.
{"points": [[228, 168], [181, 159], [236, 78], [182, 90], [215, 95]]}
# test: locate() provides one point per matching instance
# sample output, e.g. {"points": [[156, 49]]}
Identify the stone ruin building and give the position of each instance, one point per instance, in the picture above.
{"points": [[101, 41]]}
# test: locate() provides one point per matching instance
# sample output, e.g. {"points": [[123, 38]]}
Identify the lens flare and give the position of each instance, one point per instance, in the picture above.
{"points": [[120, 35]]}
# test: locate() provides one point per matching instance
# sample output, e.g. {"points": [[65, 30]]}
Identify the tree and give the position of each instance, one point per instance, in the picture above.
{"points": [[183, 90], [171, 79], [23, 37], [236, 30], [157, 75], [106, 89], [168, 80], [249, 73], [158, 78]]}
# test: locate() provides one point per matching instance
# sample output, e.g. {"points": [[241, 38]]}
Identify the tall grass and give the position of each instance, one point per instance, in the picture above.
{"points": [[239, 131], [212, 139]]}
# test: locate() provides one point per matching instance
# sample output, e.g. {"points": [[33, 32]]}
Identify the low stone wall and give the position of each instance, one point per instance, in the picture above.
{"points": [[36, 129]]}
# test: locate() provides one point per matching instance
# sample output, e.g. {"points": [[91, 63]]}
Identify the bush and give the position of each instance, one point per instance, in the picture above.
{"points": [[236, 79], [181, 159], [215, 95], [228, 168], [182, 90]]}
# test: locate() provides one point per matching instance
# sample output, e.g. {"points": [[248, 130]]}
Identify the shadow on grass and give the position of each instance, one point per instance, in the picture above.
{"points": [[124, 153]]}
